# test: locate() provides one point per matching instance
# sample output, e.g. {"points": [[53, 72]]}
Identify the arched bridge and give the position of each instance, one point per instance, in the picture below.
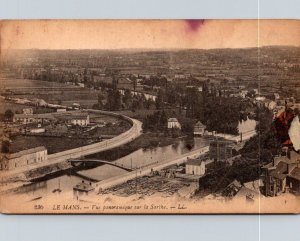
{"points": [[121, 166]]}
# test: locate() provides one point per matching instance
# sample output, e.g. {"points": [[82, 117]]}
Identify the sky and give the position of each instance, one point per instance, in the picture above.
{"points": [[121, 34]]}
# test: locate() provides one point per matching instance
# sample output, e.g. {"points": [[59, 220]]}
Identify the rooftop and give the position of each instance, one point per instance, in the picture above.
{"points": [[295, 173], [26, 152], [280, 172], [199, 125], [172, 120], [194, 162]]}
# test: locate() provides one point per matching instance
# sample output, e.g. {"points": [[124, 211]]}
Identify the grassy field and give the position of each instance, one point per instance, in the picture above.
{"points": [[51, 92], [53, 144], [19, 83], [5, 105]]}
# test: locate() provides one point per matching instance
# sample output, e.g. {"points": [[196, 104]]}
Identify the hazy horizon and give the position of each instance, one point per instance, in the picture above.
{"points": [[147, 34]]}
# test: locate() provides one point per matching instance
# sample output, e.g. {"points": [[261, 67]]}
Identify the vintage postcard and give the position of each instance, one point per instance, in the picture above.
{"points": [[150, 116]]}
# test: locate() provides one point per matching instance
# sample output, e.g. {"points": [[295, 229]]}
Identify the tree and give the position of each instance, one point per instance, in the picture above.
{"points": [[5, 146], [159, 102], [127, 98], [100, 100], [8, 115]]}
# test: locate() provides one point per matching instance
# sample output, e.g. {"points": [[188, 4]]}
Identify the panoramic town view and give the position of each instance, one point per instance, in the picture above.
{"points": [[112, 128]]}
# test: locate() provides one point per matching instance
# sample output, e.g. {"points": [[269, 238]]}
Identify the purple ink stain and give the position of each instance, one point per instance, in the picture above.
{"points": [[194, 24]]}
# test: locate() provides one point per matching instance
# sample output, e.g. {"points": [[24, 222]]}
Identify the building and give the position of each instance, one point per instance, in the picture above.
{"points": [[80, 119], [195, 167], [243, 93], [282, 174], [61, 110], [33, 118], [125, 83], [173, 123], [23, 158], [27, 111], [199, 129], [221, 150], [37, 130], [70, 117]]}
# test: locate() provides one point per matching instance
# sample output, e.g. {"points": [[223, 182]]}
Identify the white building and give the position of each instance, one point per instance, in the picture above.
{"points": [[80, 119], [27, 111], [37, 130], [243, 93], [199, 129], [195, 167], [173, 123], [23, 158]]}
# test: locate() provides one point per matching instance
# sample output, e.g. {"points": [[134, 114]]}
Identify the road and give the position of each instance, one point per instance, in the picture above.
{"points": [[134, 132]]}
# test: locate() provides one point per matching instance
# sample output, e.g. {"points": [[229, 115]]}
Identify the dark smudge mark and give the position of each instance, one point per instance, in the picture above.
{"points": [[194, 24]]}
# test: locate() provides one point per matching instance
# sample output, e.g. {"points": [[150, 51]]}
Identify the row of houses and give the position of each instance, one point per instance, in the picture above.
{"points": [[282, 174], [72, 118]]}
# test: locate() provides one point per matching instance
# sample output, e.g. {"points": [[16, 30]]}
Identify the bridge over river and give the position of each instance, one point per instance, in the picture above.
{"points": [[83, 161]]}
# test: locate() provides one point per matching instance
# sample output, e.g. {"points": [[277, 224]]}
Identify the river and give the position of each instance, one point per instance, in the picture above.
{"points": [[139, 158]]}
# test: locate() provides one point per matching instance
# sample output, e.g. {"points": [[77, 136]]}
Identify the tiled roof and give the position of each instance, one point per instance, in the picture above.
{"points": [[295, 173], [194, 162], [280, 172], [199, 125], [172, 120]]}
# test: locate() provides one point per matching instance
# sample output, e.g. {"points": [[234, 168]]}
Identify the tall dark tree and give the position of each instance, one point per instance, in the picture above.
{"points": [[159, 102], [8, 115], [5, 146]]}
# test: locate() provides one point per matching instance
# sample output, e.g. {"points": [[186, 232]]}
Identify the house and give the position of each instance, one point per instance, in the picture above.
{"points": [[37, 130], [221, 150], [282, 174], [271, 105], [33, 118], [80, 119], [173, 123], [27, 111], [199, 129], [125, 83], [23, 158], [276, 96], [61, 110], [195, 167], [243, 93]]}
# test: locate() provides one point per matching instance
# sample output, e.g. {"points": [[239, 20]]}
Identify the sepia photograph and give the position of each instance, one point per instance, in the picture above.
{"points": [[194, 116]]}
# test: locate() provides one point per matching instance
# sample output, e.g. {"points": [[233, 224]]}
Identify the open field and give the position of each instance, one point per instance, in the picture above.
{"points": [[17, 108], [51, 92], [53, 144], [12, 83]]}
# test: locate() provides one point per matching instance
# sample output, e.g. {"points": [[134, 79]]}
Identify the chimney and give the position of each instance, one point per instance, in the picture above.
{"points": [[288, 153], [284, 151]]}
